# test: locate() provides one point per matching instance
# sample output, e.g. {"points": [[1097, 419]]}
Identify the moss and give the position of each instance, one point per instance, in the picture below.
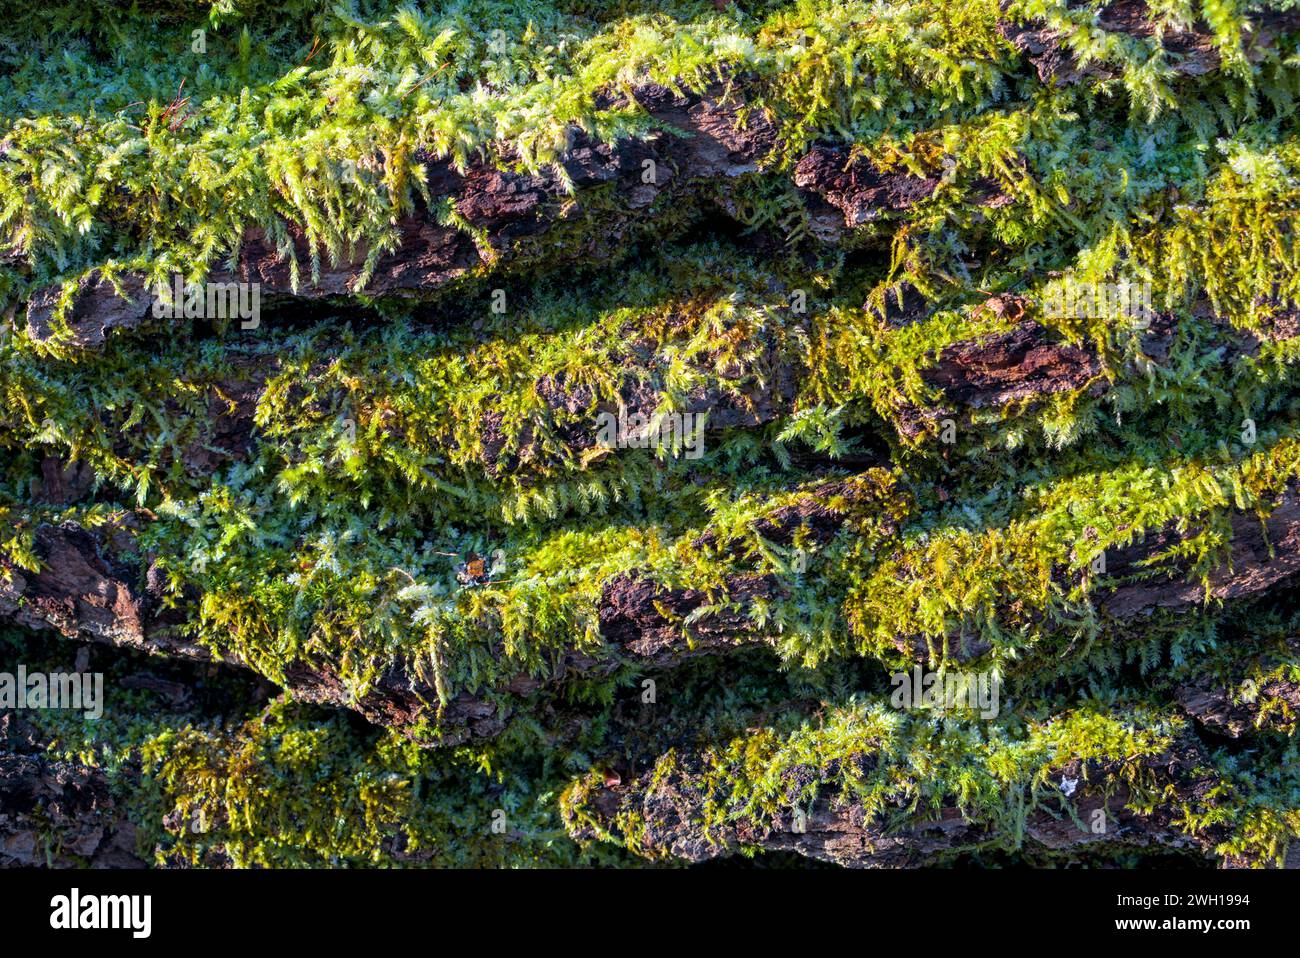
{"points": [[222, 780], [373, 486]]}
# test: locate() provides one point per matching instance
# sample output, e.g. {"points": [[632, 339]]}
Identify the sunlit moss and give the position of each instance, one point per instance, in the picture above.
{"points": [[382, 446]]}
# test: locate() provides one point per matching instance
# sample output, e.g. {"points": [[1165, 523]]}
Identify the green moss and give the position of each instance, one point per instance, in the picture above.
{"points": [[327, 518]]}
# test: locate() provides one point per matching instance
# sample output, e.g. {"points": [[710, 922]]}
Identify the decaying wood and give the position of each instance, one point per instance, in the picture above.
{"points": [[94, 585], [669, 810], [57, 813], [710, 137], [1190, 51], [699, 137], [1237, 704]]}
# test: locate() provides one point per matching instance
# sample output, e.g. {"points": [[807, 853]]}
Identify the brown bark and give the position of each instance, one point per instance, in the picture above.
{"points": [[56, 813], [1263, 554], [707, 137], [89, 587], [855, 187], [641, 622], [699, 137], [744, 396], [647, 620], [1219, 708], [1011, 367], [97, 309], [1238, 704], [1189, 52], [62, 483], [1020, 366], [671, 810]]}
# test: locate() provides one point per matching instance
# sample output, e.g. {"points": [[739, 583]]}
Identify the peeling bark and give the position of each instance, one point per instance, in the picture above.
{"points": [[1263, 554], [642, 623], [97, 309], [89, 587], [648, 621], [89, 591], [1220, 708], [1015, 370], [1023, 363], [707, 137]]}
